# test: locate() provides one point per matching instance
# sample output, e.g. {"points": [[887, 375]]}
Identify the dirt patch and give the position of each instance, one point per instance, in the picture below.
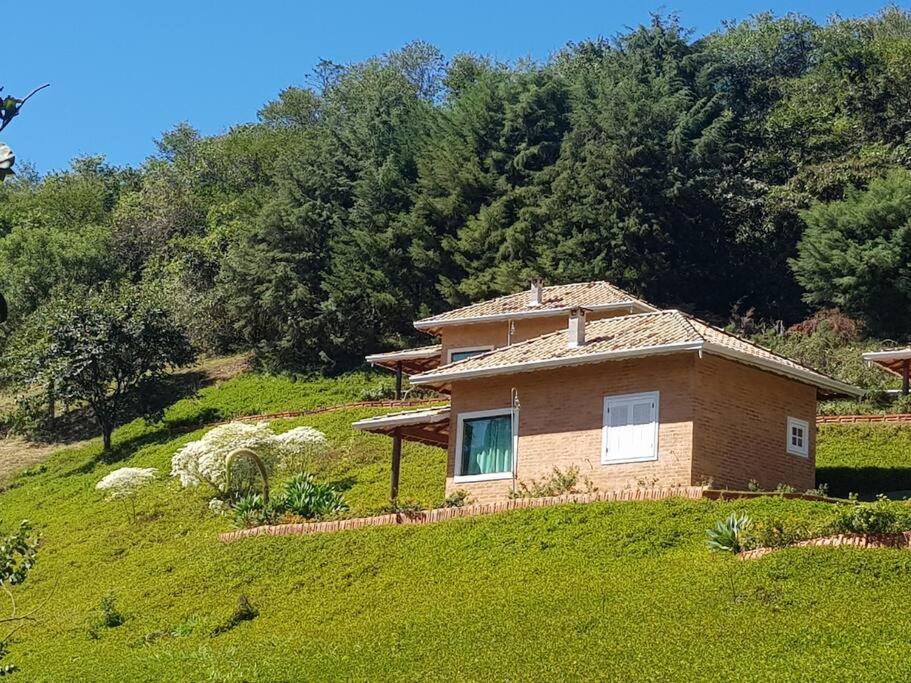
{"points": [[18, 454]]}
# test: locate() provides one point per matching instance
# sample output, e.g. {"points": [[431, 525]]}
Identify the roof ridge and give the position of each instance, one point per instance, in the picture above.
{"points": [[630, 298], [687, 321]]}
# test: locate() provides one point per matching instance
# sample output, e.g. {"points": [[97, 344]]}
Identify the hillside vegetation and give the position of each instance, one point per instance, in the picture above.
{"points": [[597, 591], [413, 182]]}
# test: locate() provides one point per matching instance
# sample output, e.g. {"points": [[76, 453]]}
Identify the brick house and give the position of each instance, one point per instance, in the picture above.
{"points": [[587, 376]]}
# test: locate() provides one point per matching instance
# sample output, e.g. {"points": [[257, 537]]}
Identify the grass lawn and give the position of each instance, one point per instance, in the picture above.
{"points": [[867, 459], [612, 590]]}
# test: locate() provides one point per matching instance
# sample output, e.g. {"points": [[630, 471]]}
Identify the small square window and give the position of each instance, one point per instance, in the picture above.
{"points": [[798, 437]]}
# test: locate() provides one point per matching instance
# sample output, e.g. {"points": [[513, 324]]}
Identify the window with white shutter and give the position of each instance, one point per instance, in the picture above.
{"points": [[798, 437], [630, 432]]}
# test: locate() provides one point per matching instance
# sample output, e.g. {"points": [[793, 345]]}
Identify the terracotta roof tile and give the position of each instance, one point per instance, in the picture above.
{"points": [[626, 336], [553, 299]]}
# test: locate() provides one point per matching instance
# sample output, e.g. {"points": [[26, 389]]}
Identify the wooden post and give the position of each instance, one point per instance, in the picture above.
{"points": [[906, 369], [398, 381], [396, 463]]}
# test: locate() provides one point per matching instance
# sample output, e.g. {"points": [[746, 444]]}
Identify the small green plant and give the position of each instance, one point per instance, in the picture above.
{"points": [[18, 553], [775, 533], [456, 499], [243, 611], [251, 510], [753, 485], [405, 507], [820, 490], [557, 483], [866, 518], [729, 535], [785, 488], [305, 497], [110, 616]]}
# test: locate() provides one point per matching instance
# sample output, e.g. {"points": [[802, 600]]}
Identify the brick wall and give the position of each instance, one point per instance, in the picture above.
{"points": [[740, 428], [561, 419]]}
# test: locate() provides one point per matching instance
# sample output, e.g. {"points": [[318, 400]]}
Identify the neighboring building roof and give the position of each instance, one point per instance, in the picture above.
{"points": [[413, 360], [629, 336], [893, 360], [427, 425], [594, 296]]}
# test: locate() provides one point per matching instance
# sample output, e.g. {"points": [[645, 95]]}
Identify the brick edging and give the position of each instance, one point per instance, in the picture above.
{"points": [[902, 540], [440, 514], [863, 419]]}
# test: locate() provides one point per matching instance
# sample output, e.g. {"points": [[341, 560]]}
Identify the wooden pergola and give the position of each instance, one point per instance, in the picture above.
{"points": [[897, 362], [428, 426], [412, 362]]}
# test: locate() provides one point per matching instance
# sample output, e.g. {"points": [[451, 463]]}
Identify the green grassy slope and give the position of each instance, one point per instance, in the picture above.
{"points": [[623, 590], [864, 459]]}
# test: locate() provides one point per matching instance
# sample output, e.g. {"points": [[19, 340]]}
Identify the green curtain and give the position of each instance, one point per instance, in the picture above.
{"points": [[487, 445]]}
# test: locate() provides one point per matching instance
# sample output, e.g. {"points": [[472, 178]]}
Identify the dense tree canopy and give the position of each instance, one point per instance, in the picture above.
{"points": [[681, 168]]}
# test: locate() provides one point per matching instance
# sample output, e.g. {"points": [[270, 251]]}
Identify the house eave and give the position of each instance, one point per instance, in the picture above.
{"points": [[549, 363]]}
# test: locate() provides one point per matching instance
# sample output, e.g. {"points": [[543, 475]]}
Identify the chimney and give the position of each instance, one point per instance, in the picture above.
{"points": [[576, 327], [534, 298]]}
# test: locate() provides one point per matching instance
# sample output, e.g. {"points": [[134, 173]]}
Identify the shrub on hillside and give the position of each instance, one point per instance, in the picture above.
{"points": [[868, 518], [205, 461], [826, 350], [122, 484]]}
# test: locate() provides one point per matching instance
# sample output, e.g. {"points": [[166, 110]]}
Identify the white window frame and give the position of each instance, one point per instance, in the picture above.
{"points": [[463, 349], [617, 398], [493, 476], [801, 451]]}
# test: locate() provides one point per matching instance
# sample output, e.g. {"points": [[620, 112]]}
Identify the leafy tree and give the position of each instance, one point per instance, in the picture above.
{"points": [[640, 196], [105, 349], [856, 254]]}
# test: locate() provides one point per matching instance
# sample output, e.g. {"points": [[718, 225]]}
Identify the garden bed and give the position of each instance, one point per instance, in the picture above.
{"points": [[441, 514]]}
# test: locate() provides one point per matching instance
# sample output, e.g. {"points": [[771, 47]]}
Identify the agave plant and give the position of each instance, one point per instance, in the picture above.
{"points": [[729, 535], [308, 498]]}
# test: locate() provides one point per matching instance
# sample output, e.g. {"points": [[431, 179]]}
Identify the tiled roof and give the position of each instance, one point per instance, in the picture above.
{"points": [[404, 418], [592, 295], [892, 360], [406, 354], [628, 336]]}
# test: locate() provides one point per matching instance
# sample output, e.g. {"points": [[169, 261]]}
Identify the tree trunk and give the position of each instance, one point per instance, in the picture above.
{"points": [[106, 430]]}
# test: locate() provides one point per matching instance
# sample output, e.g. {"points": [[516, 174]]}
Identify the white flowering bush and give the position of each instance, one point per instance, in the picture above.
{"points": [[123, 484], [204, 462], [300, 446], [125, 481]]}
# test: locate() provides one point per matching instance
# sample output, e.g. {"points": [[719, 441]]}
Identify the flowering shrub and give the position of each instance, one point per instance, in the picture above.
{"points": [[204, 461], [125, 481], [300, 446]]}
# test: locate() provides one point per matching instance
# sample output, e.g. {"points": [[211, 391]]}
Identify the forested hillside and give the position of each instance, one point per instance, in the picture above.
{"points": [[684, 169]]}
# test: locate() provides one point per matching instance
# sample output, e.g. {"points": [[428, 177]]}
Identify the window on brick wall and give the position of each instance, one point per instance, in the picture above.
{"points": [[630, 432], [798, 437], [484, 445]]}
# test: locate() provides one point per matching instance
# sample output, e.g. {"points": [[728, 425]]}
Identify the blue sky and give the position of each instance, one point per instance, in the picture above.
{"points": [[122, 72]]}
